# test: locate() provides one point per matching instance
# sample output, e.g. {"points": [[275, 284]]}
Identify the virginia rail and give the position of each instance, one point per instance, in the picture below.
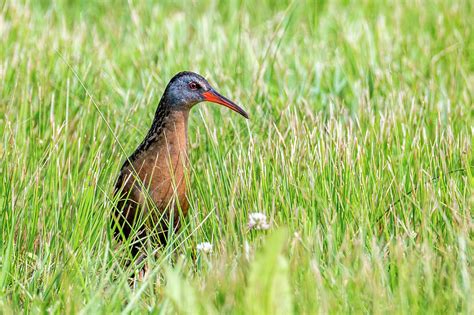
{"points": [[151, 184]]}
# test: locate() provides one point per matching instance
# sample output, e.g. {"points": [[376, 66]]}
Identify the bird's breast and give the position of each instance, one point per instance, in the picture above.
{"points": [[162, 169]]}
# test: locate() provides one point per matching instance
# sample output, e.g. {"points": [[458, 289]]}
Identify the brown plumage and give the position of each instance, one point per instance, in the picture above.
{"points": [[152, 184]]}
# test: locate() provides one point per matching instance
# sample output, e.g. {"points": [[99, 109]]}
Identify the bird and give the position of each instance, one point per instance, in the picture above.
{"points": [[151, 188]]}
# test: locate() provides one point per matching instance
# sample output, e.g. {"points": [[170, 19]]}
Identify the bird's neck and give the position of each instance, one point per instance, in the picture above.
{"points": [[169, 126]]}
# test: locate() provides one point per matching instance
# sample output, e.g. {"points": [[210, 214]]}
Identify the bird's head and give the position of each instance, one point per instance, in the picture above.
{"points": [[186, 89]]}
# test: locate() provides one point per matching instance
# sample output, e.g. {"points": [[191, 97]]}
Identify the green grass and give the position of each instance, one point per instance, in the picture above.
{"points": [[359, 149]]}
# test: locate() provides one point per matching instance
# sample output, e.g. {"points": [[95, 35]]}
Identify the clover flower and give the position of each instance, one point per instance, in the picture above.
{"points": [[204, 247], [258, 221]]}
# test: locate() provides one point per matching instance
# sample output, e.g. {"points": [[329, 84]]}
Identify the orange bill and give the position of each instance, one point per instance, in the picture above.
{"points": [[214, 97]]}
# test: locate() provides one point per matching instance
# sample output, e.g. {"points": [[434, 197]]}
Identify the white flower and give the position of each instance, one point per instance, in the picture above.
{"points": [[258, 221], [204, 247]]}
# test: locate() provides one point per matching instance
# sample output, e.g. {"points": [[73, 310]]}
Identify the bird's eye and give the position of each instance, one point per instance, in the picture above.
{"points": [[193, 85]]}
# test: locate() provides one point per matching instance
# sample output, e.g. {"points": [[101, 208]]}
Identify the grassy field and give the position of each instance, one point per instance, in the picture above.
{"points": [[359, 151]]}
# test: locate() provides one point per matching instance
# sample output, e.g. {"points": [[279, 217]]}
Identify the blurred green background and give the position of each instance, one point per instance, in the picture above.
{"points": [[358, 150]]}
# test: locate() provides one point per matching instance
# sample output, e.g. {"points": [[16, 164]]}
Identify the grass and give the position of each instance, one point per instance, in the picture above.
{"points": [[359, 150]]}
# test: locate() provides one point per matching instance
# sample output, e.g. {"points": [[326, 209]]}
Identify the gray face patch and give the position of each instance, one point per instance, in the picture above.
{"points": [[179, 93]]}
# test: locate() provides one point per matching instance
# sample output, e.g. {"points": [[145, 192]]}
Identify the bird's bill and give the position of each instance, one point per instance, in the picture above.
{"points": [[214, 97]]}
